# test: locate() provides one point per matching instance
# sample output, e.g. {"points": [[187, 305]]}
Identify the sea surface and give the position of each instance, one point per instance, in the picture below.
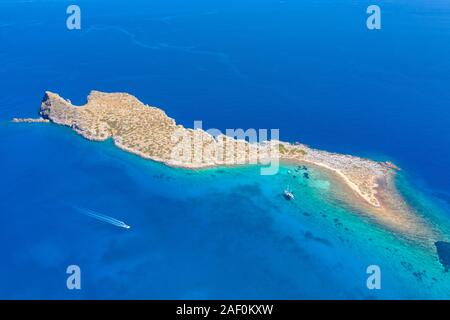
{"points": [[311, 69]]}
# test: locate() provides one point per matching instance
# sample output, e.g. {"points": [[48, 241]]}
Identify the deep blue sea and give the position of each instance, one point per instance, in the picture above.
{"points": [[310, 68]]}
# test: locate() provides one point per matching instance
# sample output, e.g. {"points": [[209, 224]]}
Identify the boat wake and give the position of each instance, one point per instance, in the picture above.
{"points": [[102, 217]]}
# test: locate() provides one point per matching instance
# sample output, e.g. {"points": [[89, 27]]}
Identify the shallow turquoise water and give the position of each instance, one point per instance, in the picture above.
{"points": [[215, 233]]}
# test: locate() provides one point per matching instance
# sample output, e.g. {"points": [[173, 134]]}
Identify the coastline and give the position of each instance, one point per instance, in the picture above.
{"points": [[149, 133], [30, 120], [393, 213], [350, 184]]}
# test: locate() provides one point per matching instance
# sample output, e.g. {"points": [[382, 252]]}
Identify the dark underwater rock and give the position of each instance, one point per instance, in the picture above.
{"points": [[443, 250]]}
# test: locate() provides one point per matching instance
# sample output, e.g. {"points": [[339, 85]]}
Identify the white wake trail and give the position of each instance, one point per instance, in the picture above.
{"points": [[102, 217]]}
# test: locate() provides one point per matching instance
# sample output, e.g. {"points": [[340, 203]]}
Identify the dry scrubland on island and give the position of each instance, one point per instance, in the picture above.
{"points": [[148, 132]]}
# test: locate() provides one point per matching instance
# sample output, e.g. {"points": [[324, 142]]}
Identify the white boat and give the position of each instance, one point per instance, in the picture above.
{"points": [[288, 195]]}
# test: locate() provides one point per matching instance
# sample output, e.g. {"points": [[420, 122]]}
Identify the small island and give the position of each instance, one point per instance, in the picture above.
{"points": [[148, 132]]}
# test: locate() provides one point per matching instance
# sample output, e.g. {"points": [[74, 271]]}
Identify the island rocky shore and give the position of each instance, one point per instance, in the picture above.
{"points": [[148, 132], [30, 120]]}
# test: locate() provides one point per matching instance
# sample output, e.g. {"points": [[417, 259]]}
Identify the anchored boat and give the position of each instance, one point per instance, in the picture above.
{"points": [[288, 194]]}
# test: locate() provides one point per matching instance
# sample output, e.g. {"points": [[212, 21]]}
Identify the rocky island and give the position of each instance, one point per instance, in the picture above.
{"points": [[148, 132]]}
